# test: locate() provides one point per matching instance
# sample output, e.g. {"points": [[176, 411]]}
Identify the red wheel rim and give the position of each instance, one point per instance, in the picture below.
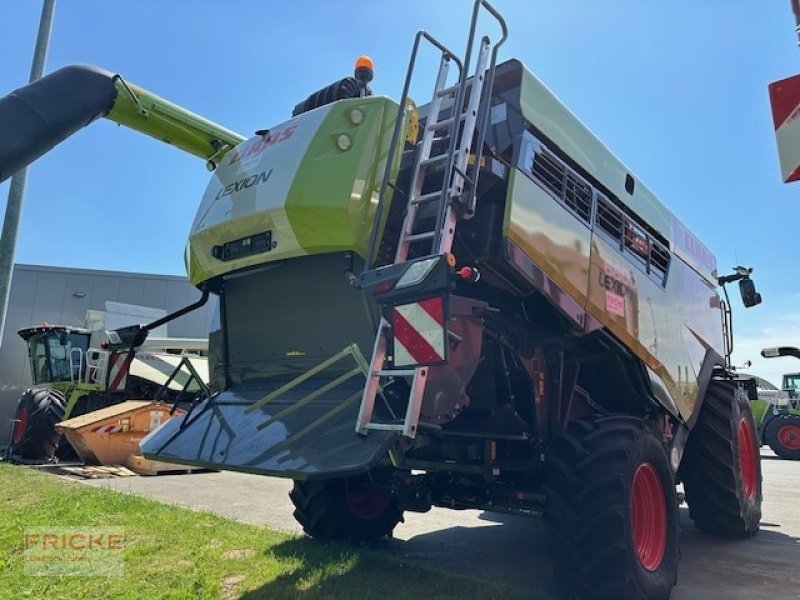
{"points": [[20, 426], [365, 502], [648, 517], [747, 459], [789, 436]]}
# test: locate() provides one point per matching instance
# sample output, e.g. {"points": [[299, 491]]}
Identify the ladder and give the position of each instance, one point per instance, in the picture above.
{"points": [[449, 201]]}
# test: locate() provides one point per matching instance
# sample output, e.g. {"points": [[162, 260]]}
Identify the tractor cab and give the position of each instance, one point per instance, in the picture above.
{"points": [[57, 354], [791, 384]]}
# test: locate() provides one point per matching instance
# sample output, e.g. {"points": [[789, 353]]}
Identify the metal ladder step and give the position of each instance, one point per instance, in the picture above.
{"points": [[433, 160], [416, 237], [429, 197], [445, 122], [395, 372], [385, 426]]}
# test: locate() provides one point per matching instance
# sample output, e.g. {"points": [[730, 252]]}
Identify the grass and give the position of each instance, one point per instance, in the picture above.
{"points": [[177, 553]]}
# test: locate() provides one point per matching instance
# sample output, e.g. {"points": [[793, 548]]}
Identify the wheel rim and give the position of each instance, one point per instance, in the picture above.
{"points": [[747, 459], [648, 517], [20, 425], [365, 502], [789, 436]]}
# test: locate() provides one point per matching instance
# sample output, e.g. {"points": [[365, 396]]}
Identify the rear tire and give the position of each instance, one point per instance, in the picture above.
{"points": [[782, 434], [721, 468], [34, 436], [612, 511], [345, 509]]}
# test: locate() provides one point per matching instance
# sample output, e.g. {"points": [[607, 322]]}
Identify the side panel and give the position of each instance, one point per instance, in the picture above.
{"points": [[670, 328], [549, 234], [541, 107], [603, 257]]}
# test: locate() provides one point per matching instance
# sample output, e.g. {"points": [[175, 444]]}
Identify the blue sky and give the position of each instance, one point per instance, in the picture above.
{"points": [[677, 91]]}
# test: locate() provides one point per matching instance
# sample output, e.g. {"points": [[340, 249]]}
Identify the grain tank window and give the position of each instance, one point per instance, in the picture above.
{"points": [[613, 220], [626, 231], [636, 242], [609, 219], [563, 183]]}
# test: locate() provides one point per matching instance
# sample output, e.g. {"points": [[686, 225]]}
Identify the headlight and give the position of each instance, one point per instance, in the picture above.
{"points": [[417, 272], [344, 142]]}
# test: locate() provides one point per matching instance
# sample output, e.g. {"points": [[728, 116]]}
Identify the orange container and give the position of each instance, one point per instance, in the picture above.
{"points": [[110, 435]]}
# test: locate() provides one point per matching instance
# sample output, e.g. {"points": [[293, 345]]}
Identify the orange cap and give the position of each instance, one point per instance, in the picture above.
{"points": [[365, 61]]}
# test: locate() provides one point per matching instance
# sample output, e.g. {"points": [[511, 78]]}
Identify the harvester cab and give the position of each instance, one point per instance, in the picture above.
{"points": [[791, 385], [56, 354]]}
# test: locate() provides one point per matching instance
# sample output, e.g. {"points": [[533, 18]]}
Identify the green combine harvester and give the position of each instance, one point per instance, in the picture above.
{"points": [[471, 303], [75, 371]]}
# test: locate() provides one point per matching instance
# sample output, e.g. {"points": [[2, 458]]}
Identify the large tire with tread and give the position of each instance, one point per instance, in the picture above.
{"points": [[782, 434], [34, 435], [612, 511], [721, 468], [345, 509]]}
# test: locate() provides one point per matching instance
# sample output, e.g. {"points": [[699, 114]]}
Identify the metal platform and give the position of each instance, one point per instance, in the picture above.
{"points": [[306, 432]]}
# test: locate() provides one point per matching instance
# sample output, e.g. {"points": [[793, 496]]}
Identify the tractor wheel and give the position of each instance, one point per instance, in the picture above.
{"points": [[345, 509], [782, 433], [612, 511], [34, 436], [721, 468]]}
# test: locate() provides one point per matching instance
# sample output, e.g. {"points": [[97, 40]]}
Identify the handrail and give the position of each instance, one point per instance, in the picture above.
{"points": [[487, 89], [448, 55]]}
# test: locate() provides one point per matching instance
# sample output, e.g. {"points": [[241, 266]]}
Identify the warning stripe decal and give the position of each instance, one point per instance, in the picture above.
{"points": [[435, 308], [119, 371], [106, 429], [419, 334], [784, 98], [784, 95]]}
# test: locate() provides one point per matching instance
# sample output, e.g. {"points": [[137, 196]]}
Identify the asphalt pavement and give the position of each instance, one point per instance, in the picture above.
{"points": [[512, 549]]}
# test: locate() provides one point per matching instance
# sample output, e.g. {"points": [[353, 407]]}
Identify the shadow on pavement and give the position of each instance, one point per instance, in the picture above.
{"points": [[512, 550], [331, 571]]}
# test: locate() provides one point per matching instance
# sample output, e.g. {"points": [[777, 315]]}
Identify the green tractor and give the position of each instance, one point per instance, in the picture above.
{"points": [[777, 413], [75, 371]]}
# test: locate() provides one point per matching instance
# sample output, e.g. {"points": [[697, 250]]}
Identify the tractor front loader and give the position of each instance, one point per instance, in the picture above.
{"points": [[470, 303]]}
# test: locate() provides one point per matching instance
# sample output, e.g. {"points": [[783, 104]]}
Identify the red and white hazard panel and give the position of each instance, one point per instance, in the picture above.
{"points": [[106, 429], [420, 333], [119, 364], [784, 96]]}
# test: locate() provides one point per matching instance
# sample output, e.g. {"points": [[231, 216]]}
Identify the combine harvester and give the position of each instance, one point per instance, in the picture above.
{"points": [[473, 304], [75, 371]]}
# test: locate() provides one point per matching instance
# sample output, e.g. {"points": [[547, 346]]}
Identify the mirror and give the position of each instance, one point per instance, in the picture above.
{"points": [[63, 339], [750, 297]]}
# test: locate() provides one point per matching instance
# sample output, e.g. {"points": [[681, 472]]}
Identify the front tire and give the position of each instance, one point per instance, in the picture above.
{"points": [[721, 468], [782, 434], [34, 436], [612, 511], [349, 509]]}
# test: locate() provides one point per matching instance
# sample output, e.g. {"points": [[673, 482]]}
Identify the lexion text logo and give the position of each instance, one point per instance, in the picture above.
{"points": [[82, 551]]}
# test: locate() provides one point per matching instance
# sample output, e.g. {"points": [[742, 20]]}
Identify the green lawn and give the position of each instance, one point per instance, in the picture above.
{"points": [[177, 553]]}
